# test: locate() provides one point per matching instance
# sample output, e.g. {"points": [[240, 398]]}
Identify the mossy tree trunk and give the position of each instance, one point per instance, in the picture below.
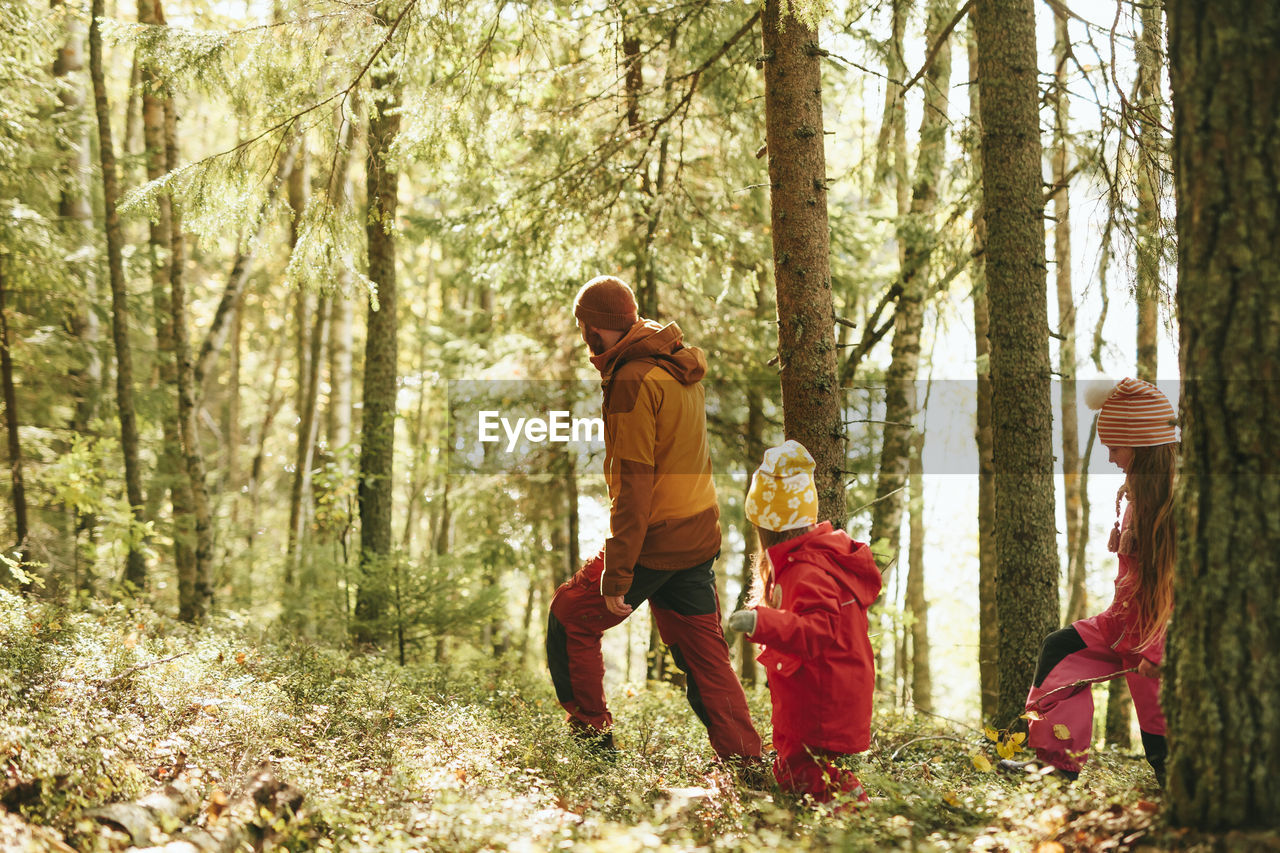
{"points": [[1022, 417], [1222, 679], [801, 245], [377, 434]]}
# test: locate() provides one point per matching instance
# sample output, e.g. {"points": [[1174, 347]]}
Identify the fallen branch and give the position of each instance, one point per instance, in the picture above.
{"points": [[894, 757], [1084, 682], [107, 682]]}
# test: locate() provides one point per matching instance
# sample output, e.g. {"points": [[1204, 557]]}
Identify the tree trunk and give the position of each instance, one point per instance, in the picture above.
{"points": [[806, 319], [378, 430], [300, 491], [916, 239], [917, 603], [170, 476], [192, 458], [18, 490], [1118, 721], [135, 564], [1222, 687], [1066, 306], [298, 185], [754, 448], [76, 211], [988, 624], [1022, 417], [1148, 220]]}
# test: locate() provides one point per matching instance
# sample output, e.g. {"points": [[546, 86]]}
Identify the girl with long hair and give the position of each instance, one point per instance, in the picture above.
{"points": [[1138, 426]]}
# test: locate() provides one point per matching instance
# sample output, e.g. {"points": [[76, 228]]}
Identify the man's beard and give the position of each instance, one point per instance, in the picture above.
{"points": [[594, 341]]}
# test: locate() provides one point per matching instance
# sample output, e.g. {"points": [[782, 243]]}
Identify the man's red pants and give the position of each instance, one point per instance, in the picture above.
{"points": [[686, 610]]}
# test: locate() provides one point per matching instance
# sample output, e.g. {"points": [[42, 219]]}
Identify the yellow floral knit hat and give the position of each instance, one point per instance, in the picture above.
{"points": [[782, 494]]}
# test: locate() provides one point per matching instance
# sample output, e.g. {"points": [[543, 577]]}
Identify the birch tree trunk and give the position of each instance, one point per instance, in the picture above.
{"points": [[801, 242]]}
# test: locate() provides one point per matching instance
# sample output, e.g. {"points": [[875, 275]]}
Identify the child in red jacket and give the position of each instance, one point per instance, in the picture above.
{"points": [[809, 614]]}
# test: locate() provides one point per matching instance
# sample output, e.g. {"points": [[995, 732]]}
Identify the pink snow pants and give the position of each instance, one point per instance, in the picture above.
{"points": [[1062, 734]]}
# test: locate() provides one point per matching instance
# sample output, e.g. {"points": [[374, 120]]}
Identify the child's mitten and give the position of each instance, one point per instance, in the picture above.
{"points": [[744, 621]]}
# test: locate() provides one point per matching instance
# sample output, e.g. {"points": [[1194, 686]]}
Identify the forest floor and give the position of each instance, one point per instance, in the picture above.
{"points": [[106, 704]]}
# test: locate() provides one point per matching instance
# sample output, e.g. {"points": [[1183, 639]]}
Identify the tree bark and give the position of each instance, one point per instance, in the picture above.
{"points": [[135, 564], [1060, 101], [170, 476], [917, 603], [1022, 417], [801, 241], [1148, 221], [18, 492], [988, 623], [193, 459], [300, 491], [378, 430], [1222, 671]]}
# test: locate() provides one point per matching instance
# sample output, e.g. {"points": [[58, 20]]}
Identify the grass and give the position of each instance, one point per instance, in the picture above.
{"points": [[474, 756]]}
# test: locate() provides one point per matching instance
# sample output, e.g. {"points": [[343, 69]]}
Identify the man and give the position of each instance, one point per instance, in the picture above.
{"points": [[664, 527]]}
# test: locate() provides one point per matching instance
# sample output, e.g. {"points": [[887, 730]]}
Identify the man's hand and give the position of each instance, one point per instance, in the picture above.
{"points": [[1147, 669], [617, 606]]}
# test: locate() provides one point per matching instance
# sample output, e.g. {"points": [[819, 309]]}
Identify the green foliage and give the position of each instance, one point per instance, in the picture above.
{"points": [[95, 707]]}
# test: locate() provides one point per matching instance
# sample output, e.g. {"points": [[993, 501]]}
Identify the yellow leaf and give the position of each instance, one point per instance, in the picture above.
{"points": [[1018, 738], [1005, 749], [1032, 715], [982, 763], [990, 733], [1061, 732]]}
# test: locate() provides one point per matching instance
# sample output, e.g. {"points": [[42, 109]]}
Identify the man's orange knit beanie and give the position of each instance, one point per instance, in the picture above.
{"points": [[606, 302]]}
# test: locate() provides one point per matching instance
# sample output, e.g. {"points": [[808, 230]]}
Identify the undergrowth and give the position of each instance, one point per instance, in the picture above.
{"points": [[105, 704]]}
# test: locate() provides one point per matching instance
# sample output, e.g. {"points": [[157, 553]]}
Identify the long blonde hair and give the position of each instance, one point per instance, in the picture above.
{"points": [[1149, 485], [763, 591]]}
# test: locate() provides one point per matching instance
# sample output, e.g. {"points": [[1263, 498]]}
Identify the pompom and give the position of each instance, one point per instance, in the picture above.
{"points": [[1096, 393]]}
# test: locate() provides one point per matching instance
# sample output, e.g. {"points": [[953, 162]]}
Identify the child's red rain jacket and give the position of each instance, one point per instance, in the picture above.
{"points": [[816, 649]]}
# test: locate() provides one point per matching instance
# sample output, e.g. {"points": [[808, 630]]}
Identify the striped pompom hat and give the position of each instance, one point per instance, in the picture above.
{"points": [[1133, 413]]}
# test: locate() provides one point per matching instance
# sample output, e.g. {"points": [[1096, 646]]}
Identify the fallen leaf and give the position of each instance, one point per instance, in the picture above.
{"points": [[982, 763], [1146, 806], [1061, 732]]}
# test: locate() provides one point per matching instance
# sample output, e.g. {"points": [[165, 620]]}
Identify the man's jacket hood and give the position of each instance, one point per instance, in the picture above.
{"points": [[654, 343], [849, 563]]}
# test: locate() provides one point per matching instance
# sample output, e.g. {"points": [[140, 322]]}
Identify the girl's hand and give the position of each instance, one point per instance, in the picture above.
{"points": [[1147, 669], [743, 621]]}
